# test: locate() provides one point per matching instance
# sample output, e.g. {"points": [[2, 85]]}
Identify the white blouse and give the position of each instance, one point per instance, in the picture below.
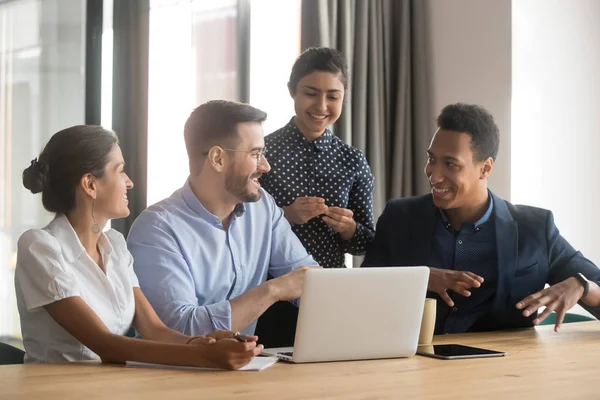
{"points": [[53, 265]]}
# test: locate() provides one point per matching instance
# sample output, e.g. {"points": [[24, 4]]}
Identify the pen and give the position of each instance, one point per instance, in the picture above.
{"points": [[237, 336]]}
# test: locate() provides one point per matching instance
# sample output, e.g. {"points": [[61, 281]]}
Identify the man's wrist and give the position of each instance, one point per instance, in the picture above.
{"points": [[193, 338], [432, 272], [272, 290], [584, 283]]}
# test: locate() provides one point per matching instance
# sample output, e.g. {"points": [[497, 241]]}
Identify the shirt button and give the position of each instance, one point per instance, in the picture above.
{"points": [[459, 241], [454, 309], [56, 298]]}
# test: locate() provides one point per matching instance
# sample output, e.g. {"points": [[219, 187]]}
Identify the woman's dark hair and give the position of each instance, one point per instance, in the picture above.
{"points": [[319, 59], [68, 155]]}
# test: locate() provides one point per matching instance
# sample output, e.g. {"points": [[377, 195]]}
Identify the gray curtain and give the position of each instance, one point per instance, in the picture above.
{"points": [[388, 111], [130, 98]]}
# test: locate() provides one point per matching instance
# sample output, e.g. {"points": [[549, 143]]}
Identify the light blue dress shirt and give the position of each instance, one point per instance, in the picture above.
{"points": [[189, 267]]}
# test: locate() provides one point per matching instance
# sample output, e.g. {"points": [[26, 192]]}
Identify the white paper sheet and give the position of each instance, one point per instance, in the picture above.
{"points": [[257, 364]]}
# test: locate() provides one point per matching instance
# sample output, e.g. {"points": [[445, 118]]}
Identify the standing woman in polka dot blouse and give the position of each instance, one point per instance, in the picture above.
{"points": [[324, 185]]}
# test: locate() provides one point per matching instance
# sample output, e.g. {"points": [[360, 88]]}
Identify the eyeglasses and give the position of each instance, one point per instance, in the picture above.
{"points": [[257, 154]]}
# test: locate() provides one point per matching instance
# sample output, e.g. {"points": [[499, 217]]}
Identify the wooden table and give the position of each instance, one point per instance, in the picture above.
{"points": [[540, 364]]}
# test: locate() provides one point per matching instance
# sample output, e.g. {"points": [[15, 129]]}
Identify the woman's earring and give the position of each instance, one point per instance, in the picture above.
{"points": [[95, 226]]}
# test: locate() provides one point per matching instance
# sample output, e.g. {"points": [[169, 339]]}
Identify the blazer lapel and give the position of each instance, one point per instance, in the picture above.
{"points": [[507, 239], [421, 232]]}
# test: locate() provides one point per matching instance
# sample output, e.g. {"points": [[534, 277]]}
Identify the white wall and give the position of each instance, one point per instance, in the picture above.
{"points": [[556, 101], [470, 48], [534, 64], [544, 56]]}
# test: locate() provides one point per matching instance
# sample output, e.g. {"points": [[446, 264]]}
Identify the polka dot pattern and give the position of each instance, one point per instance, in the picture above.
{"points": [[327, 168]]}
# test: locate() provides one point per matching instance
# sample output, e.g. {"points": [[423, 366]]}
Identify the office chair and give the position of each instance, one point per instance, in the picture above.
{"points": [[569, 317], [10, 354]]}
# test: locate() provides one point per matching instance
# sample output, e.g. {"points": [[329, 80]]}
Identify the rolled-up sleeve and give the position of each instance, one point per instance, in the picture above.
{"points": [[165, 278], [287, 252]]}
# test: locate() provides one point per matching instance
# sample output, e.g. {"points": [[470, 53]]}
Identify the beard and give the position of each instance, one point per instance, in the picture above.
{"points": [[239, 186]]}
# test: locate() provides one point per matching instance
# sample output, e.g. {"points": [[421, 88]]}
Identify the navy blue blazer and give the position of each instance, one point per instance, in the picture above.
{"points": [[531, 252]]}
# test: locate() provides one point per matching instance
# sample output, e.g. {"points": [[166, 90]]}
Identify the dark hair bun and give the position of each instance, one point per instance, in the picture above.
{"points": [[34, 177]]}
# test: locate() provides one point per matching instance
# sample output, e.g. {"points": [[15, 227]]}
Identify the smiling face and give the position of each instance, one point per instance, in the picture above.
{"points": [[457, 179], [111, 199], [318, 99], [247, 163]]}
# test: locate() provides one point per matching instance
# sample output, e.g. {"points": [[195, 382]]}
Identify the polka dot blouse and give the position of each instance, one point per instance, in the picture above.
{"points": [[327, 168]]}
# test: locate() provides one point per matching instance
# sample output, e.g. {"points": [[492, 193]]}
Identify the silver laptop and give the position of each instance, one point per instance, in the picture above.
{"points": [[358, 313]]}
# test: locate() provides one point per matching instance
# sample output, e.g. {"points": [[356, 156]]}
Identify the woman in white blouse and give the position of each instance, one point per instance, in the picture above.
{"points": [[77, 293]]}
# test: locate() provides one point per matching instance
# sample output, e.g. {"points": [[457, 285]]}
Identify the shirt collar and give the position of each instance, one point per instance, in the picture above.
{"points": [[196, 206], [69, 241], [481, 221], [322, 143], [485, 218], [105, 245]]}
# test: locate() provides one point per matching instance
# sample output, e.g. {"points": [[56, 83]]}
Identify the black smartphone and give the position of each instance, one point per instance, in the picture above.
{"points": [[456, 351]]}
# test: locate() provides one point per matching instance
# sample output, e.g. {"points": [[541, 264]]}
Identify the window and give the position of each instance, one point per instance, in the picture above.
{"points": [[274, 46], [194, 57], [42, 90], [195, 62]]}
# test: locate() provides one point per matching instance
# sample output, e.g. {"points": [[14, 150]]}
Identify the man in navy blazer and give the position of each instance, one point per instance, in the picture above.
{"points": [[489, 260]]}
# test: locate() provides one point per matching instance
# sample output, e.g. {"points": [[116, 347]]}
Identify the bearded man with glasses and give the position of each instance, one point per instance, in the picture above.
{"points": [[202, 255]]}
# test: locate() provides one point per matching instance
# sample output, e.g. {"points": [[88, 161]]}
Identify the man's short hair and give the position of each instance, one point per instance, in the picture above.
{"points": [[215, 124], [475, 121]]}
